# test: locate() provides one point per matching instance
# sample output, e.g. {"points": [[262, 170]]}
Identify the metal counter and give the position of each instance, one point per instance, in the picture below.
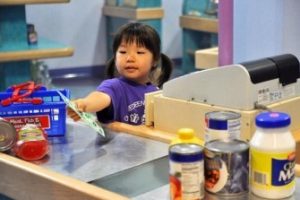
{"points": [[162, 193], [81, 153]]}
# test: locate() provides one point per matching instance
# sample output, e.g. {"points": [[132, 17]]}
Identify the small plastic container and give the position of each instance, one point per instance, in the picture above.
{"points": [[272, 157], [32, 143], [32, 37], [187, 135]]}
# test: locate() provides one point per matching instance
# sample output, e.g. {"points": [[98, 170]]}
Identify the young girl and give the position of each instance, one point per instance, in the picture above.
{"points": [[137, 67]]}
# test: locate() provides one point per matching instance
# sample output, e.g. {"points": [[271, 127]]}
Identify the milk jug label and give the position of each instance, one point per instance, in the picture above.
{"points": [[272, 170]]}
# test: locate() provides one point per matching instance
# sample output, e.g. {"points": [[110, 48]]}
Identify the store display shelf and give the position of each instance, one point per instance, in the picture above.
{"points": [[133, 13], [44, 49], [22, 2], [199, 23]]}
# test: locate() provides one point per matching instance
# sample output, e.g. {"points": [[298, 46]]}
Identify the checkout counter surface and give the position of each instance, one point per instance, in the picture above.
{"points": [[127, 165], [83, 155], [162, 193]]}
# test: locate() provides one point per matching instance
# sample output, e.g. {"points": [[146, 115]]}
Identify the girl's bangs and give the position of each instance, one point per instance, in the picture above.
{"points": [[138, 38]]}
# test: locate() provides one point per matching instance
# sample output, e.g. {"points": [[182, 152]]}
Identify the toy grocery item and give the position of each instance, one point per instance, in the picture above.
{"points": [[20, 93], [227, 167], [187, 135], [186, 173], [222, 125], [30, 103], [8, 135], [88, 118], [272, 156], [32, 143], [32, 36]]}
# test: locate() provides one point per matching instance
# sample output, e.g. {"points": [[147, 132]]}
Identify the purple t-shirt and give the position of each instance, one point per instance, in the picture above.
{"points": [[127, 98]]}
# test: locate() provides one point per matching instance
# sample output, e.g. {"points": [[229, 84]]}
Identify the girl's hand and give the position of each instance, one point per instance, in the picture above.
{"points": [[80, 105], [94, 102]]}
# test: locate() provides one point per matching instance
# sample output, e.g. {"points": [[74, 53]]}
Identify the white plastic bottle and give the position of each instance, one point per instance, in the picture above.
{"points": [[272, 157]]}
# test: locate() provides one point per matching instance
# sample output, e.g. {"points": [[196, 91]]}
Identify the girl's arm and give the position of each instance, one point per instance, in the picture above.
{"points": [[94, 102]]}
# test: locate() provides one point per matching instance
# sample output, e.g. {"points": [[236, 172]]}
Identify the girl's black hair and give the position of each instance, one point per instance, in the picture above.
{"points": [[146, 36]]}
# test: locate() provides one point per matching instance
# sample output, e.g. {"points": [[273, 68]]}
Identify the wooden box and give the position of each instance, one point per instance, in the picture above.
{"points": [[168, 114]]}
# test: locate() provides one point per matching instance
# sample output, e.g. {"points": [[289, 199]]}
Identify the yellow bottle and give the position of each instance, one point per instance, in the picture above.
{"points": [[187, 135]]}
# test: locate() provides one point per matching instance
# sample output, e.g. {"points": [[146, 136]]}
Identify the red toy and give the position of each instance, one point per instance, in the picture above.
{"points": [[21, 92]]}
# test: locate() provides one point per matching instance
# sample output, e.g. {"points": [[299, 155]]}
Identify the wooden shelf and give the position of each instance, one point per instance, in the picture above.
{"points": [[133, 13], [44, 49], [22, 2], [199, 23]]}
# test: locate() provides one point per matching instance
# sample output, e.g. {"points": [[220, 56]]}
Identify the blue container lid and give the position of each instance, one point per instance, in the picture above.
{"points": [[273, 120]]}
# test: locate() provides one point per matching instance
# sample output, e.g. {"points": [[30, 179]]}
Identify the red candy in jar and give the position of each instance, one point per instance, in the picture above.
{"points": [[32, 143]]}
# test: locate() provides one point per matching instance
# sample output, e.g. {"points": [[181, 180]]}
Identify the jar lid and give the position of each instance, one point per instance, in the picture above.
{"points": [[273, 120], [227, 146]]}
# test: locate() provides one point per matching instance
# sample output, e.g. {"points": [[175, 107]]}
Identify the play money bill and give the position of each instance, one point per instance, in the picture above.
{"points": [[88, 118]]}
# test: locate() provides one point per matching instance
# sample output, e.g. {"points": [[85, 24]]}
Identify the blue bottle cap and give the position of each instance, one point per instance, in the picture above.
{"points": [[273, 120]]}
